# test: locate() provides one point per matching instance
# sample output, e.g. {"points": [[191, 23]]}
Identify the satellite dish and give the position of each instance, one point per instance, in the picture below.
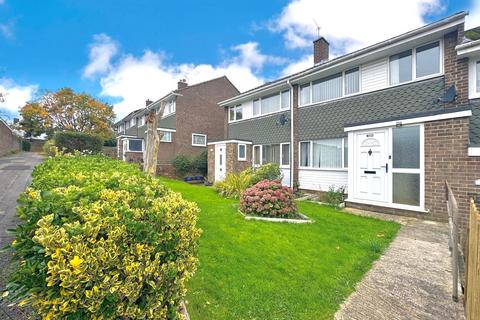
{"points": [[282, 119], [449, 96]]}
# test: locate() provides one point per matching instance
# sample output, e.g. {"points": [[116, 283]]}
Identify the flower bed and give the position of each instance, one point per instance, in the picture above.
{"points": [[269, 199], [102, 240]]}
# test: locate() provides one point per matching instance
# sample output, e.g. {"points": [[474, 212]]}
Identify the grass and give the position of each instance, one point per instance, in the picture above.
{"points": [[264, 270]]}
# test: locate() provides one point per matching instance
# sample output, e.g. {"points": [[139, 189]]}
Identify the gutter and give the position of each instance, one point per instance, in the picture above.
{"points": [[291, 136]]}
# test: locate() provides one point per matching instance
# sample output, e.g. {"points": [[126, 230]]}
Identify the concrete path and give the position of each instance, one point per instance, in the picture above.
{"points": [[412, 280], [15, 175]]}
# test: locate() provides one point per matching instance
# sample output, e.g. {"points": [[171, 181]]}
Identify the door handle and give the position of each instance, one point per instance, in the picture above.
{"points": [[386, 167]]}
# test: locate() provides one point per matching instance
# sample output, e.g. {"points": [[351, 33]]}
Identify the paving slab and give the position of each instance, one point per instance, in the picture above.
{"points": [[411, 280]]}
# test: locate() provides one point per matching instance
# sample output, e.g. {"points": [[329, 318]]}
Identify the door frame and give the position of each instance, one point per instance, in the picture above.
{"points": [[224, 164], [352, 165]]}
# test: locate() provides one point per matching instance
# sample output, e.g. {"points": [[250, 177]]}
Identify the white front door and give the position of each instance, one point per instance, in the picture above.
{"points": [[124, 149], [371, 165], [220, 167]]}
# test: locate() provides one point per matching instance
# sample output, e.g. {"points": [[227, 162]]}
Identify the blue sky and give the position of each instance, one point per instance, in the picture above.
{"points": [[124, 52]]}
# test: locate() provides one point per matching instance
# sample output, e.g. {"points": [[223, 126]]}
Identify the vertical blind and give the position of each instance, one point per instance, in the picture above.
{"points": [[327, 153], [352, 81], [327, 88], [270, 104]]}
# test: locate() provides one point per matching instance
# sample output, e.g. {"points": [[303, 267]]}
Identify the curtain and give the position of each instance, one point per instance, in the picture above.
{"points": [[327, 153]]}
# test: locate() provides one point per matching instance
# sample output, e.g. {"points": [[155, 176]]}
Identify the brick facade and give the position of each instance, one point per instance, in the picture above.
{"points": [[232, 164], [455, 70], [9, 142], [446, 159]]}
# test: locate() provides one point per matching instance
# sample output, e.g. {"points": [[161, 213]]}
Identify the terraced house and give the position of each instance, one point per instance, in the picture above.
{"points": [[191, 118], [390, 123]]}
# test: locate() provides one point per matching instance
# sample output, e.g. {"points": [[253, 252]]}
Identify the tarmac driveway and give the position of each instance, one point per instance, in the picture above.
{"points": [[15, 176]]}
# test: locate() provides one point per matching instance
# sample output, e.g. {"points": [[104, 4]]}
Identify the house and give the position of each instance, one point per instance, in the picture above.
{"points": [[191, 118], [9, 140], [390, 122]]}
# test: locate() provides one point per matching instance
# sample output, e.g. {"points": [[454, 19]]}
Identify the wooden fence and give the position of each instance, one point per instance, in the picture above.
{"points": [[472, 290]]}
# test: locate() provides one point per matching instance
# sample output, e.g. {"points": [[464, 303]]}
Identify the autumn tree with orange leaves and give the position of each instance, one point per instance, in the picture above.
{"points": [[65, 110]]}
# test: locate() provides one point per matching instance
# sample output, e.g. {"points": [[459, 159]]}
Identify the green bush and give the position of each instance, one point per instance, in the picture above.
{"points": [[234, 184], [26, 145], [49, 148], [112, 142], [102, 240], [269, 171], [200, 163], [78, 141], [335, 196], [182, 165]]}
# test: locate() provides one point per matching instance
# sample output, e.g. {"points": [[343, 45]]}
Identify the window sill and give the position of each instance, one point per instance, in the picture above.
{"points": [[199, 145], [135, 151], [259, 116], [323, 169]]}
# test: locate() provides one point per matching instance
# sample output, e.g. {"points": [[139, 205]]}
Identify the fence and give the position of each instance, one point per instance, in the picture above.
{"points": [[472, 290]]}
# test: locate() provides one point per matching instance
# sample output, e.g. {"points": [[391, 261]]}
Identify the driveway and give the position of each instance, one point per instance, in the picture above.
{"points": [[411, 280], [15, 176]]}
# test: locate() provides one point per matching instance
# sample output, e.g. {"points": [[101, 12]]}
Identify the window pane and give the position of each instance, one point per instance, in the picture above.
{"points": [[478, 76], [401, 67], [285, 154], [345, 152], [406, 147], [232, 113], [270, 104], [276, 153], [256, 107], [200, 140], [352, 81], [304, 154], [285, 99], [256, 155], [305, 94], [238, 113], [135, 145], [428, 59], [406, 188], [241, 151], [167, 136], [327, 88], [266, 154], [327, 153]]}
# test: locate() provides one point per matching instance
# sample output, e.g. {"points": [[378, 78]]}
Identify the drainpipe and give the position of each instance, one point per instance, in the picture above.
{"points": [[291, 135]]}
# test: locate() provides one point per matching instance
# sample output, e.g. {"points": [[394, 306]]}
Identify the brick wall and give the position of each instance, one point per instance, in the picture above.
{"points": [[211, 163], [232, 164], [446, 159], [8, 142], [456, 70]]}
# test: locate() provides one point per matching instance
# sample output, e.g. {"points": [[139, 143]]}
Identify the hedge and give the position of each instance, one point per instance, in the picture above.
{"points": [[102, 240], [78, 141]]}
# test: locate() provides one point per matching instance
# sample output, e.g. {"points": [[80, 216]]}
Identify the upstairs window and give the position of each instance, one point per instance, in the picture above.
{"points": [[256, 107], [327, 88], [352, 81], [428, 59], [141, 121], [305, 94], [477, 71], [401, 67], [236, 113], [170, 108]]}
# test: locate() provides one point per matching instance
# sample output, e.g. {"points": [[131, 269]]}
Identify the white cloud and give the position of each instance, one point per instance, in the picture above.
{"points": [[6, 29], [349, 25], [2, 2], [102, 50], [133, 79], [299, 65], [15, 95], [473, 19]]}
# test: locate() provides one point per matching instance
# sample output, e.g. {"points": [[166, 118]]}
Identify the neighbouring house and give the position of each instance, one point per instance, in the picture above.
{"points": [[390, 122], [191, 118], [9, 140]]}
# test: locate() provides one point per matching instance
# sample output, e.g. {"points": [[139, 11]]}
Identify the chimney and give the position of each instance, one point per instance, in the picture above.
{"points": [[320, 50], [182, 84], [148, 102]]}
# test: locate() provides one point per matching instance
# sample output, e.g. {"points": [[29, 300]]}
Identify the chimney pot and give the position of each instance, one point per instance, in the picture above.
{"points": [[182, 84], [320, 50]]}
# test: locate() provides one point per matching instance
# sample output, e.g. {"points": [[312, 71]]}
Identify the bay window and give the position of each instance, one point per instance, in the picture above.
{"points": [[324, 154]]}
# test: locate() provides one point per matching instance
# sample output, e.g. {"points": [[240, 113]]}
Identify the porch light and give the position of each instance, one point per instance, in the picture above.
{"points": [[398, 124]]}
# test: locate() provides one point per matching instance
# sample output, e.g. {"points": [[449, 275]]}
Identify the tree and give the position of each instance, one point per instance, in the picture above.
{"points": [[152, 139], [66, 110]]}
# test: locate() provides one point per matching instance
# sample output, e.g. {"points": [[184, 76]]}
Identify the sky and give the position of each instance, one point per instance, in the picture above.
{"points": [[125, 52]]}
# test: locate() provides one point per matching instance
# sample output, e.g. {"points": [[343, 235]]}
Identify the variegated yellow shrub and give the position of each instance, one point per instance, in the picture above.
{"points": [[102, 240]]}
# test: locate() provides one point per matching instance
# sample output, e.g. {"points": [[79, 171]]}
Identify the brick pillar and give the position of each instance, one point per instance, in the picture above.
{"points": [[455, 70], [294, 145], [211, 163]]}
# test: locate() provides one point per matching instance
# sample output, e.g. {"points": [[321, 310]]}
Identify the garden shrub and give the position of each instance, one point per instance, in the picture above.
{"points": [[26, 145], [49, 148], [200, 163], [69, 142], [102, 240], [269, 198], [234, 184], [182, 165], [335, 196], [269, 171]]}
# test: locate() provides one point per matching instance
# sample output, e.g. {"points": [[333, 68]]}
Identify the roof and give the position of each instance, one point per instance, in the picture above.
{"points": [[454, 19]]}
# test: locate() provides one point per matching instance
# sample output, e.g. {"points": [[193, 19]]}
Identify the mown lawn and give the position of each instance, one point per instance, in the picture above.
{"points": [[264, 270]]}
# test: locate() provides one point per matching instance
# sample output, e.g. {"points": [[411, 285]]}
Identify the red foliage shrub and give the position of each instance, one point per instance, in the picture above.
{"points": [[268, 198]]}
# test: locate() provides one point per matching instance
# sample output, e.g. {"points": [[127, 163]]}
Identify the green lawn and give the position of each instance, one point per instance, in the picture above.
{"points": [[264, 270]]}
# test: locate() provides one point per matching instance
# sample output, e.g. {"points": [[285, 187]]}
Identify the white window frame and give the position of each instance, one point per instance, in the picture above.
{"points": [[234, 108], [196, 144], [473, 93], [414, 76], [141, 121], [164, 132], [170, 108], [230, 120], [238, 152], [260, 146], [128, 144], [310, 158], [285, 166]]}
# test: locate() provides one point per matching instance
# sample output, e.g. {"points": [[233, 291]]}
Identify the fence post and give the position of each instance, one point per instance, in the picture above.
{"points": [[472, 292]]}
